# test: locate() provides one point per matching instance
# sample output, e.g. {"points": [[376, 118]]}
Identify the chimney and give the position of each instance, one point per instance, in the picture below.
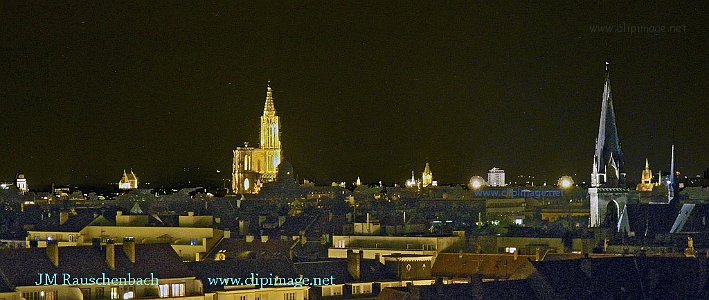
{"points": [[129, 248], [281, 220], [264, 238], [63, 217], [190, 213], [354, 264], [243, 227], [249, 238], [111, 254], [53, 252], [537, 255], [119, 213]]}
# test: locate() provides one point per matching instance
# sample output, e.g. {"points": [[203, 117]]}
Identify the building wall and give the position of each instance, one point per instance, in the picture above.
{"points": [[600, 198], [280, 293]]}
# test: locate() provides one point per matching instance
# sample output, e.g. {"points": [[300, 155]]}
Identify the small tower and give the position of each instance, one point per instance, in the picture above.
{"points": [[427, 176], [646, 184], [411, 182], [21, 182], [359, 182]]}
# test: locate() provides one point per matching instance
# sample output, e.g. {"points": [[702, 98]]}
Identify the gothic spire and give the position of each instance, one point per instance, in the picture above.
{"points": [[608, 142], [269, 108]]}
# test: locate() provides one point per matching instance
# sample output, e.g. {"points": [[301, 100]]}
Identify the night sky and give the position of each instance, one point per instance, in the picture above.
{"points": [[87, 90]]}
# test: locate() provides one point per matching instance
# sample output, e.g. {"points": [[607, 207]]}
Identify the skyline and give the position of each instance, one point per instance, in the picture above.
{"points": [[369, 98]]}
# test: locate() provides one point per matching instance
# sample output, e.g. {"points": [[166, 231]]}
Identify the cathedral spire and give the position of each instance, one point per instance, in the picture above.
{"points": [[607, 143], [269, 108], [427, 176]]}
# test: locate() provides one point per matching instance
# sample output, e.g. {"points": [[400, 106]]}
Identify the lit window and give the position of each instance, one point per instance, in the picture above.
{"points": [[164, 291], [510, 250], [114, 293], [178, 290], [129, 295]]}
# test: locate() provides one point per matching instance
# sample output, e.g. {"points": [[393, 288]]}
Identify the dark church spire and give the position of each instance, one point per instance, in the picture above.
{"points": [[608, 155]]}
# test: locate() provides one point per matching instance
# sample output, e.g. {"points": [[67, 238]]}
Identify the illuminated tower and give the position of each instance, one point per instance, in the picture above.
{"points": [[608, 193], [21, 183], [251, 167], [646, 184], [427, 176], [608, 164], [128, 181], [270, 138]]}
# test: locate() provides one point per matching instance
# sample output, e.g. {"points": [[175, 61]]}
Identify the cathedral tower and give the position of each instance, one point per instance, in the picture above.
{"points": [[608, 194], [270, 137], [427, 176], [252, 166]]}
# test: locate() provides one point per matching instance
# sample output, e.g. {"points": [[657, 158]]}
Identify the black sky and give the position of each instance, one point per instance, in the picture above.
{"points": [[363, 89]]}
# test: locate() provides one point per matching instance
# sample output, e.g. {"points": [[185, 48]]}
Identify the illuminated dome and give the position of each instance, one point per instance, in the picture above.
{"points": [[565, 182], [476, 182]]}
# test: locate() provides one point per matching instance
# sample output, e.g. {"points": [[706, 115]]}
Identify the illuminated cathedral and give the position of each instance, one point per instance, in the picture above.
{"points": [[253, 166], [646, 184], [128, 181]]}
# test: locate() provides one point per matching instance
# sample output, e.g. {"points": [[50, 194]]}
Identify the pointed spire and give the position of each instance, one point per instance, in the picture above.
{"points": [[647, 164], [608, 142], [427, 169], [671, 189], [269, 108]]}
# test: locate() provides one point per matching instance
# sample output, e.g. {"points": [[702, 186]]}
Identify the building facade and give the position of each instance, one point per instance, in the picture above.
{"points": [[128, 181], [496, 177], [21, 183], [252, 166]]}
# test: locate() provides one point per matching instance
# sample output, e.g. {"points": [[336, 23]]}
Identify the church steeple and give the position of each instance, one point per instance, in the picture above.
{"points": [[270, 137], [268, 108], [608, 142]]}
